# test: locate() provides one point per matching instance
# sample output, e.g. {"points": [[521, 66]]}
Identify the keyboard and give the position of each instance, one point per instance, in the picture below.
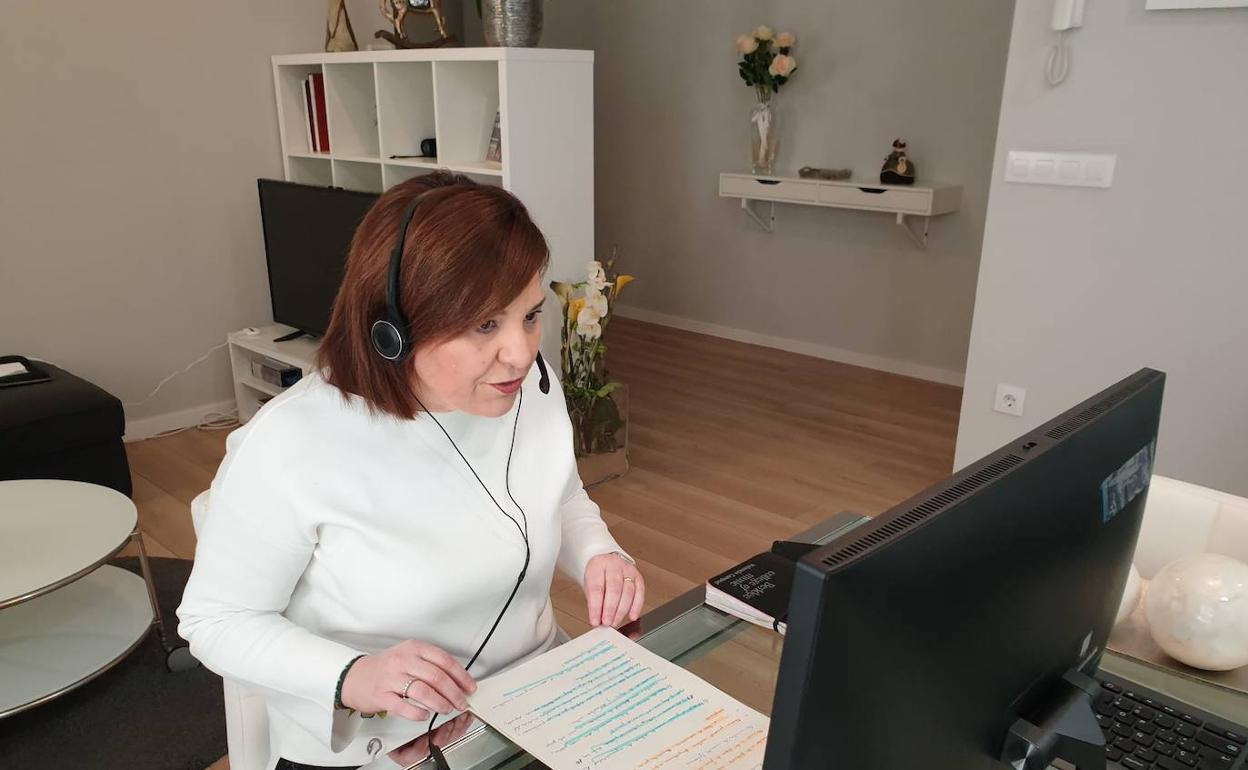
{"points": [[1145, 730]]}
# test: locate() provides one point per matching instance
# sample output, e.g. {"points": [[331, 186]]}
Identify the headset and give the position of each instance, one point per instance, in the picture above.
{"points": [[389, 334], [390, 340]]}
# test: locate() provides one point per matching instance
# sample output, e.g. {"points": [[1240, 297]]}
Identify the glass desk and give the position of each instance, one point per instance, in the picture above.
{"points": [[743, 660]]}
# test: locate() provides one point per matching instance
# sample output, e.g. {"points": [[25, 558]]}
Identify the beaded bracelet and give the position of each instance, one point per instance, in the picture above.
{"points": [[338, 704]]}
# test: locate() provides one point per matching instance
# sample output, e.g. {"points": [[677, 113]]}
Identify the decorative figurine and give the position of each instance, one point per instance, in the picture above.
{"points": [[396, 12], [338, 33], [897, 167]]}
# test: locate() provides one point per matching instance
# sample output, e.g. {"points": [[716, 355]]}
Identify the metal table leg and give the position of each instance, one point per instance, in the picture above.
{"points": [[177, 658]]}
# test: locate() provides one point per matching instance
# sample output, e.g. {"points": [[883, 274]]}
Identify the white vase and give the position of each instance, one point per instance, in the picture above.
{"points": [[763, 142]]}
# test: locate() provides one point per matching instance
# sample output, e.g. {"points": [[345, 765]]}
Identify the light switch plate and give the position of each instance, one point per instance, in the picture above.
{"points": [[1074, 169]]}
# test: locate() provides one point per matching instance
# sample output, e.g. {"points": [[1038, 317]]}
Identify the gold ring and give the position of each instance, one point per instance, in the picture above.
{"points": [[407, 687], [628, 579]]}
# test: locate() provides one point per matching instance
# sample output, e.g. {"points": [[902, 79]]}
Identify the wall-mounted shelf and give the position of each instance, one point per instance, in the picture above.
{"points": [[903, 201]]}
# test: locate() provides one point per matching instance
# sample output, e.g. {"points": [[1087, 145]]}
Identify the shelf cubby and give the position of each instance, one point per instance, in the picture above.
{"points": [[351, 103], [405, 107], [358, 175], [310, 169], [291, 105], [489, 177], [392, 174], [466, 94]]}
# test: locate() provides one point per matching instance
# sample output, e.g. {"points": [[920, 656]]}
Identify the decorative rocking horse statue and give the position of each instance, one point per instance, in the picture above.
{"points": [[396, 11]]}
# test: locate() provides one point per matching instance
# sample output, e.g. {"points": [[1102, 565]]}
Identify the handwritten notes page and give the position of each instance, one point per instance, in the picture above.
{"points": [[601, 702]]}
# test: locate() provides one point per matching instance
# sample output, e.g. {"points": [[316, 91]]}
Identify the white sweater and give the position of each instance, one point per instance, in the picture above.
{"points": [[332, 532]]}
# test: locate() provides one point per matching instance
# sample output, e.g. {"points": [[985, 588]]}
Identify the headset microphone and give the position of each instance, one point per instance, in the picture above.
{"points": [[543, 382]]}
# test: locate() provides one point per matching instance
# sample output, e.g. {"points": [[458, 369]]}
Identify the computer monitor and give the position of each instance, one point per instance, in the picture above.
{"points": [[944, 631], [307, 231]]}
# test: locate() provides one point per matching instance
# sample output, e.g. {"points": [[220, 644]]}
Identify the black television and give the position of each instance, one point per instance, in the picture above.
{"points": [[307, 231], [962, 628]]}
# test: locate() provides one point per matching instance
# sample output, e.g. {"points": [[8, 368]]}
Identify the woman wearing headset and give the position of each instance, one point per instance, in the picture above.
{"points": [[386, 530]]}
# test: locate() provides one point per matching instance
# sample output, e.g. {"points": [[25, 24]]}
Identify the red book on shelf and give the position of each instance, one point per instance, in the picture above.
{"points": [[308, 113], [322, 126]]}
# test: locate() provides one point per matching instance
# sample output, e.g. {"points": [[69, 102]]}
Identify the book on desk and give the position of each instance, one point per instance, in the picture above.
{"points": [[758, 588]]}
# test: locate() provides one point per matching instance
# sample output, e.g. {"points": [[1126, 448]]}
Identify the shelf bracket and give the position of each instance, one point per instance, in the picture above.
{"points": [[919, 240], [768, 224]]}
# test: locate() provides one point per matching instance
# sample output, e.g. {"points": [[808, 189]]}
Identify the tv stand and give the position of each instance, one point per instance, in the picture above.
{"points": [[1062, 727], [296, 334], [279, 343]]}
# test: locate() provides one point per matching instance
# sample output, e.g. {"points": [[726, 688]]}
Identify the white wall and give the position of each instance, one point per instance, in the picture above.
{"points": [[131, 138], [1079, 288], [671, 113]]}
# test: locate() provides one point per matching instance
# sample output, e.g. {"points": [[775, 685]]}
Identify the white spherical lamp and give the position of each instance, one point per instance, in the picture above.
{"points": [[1197, 610]]}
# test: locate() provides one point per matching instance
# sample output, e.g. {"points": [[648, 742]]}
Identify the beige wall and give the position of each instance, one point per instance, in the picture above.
{"points": [[131, 138], [1078, 288], [671, 113]]}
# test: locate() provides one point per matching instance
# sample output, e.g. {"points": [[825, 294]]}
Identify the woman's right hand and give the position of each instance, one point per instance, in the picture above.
{"points": [[375, 682]]}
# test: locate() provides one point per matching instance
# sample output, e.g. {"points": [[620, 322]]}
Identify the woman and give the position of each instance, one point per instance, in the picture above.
{"points": [[385, 531]]}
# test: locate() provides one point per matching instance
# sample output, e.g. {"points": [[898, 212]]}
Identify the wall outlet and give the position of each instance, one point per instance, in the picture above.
{"points": [[1010, 399]]}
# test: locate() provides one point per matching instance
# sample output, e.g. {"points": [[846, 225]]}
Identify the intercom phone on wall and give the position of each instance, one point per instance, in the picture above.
{"points": [[1067, 14]]}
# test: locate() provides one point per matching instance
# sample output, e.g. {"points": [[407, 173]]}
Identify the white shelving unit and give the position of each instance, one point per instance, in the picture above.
{"points": [[901, 200], [381, 104]]}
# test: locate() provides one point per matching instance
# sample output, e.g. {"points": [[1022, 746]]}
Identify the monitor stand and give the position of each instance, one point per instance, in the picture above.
{"points": [[1063, 727], [296, 334]]}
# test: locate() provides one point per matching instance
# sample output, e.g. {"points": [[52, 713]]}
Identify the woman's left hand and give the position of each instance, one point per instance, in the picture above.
{"points": [[614, 590]]}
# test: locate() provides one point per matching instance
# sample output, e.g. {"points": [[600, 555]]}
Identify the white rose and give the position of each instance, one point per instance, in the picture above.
{"points": [[746, 44], [785, 40], [763, 33], [782, 66], [589, 331]]}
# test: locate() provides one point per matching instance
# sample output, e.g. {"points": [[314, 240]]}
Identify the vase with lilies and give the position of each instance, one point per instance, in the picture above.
{"points": [[590, 394]]}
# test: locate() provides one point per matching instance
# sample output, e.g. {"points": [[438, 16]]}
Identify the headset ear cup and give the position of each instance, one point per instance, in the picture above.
{"points": [[387, 340]]}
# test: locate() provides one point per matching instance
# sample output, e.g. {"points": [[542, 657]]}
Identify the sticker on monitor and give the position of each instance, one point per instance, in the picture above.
{"points": [[1125, 484]]}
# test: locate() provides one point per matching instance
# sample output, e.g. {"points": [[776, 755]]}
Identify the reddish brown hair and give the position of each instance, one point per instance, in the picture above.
{"points": [[469, 252]]}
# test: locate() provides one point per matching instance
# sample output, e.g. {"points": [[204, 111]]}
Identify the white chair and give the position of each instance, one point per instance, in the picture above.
{"points": [[246, 719], [1182, 519]]}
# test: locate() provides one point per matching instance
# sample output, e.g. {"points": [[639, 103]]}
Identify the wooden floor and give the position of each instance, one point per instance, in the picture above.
{"points": [[731, 446]]}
